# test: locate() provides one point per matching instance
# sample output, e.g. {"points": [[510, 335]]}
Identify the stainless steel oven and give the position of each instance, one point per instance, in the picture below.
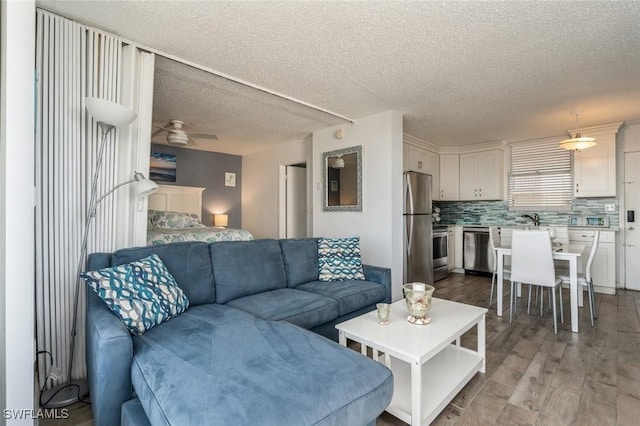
{"points": [[440, 255]]}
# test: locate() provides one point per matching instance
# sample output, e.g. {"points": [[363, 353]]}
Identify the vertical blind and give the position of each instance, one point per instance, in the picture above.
{"points": [[540, 176], [72, 62]]}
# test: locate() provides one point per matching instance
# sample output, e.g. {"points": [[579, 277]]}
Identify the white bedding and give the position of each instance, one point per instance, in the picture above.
{"points": [[208, 234]]}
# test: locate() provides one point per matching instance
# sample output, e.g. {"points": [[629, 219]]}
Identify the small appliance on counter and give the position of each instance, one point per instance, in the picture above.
{"points": [[589, 221]]}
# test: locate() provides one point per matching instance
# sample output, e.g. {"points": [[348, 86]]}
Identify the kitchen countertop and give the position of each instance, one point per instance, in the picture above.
{"points": [[543, 226]]}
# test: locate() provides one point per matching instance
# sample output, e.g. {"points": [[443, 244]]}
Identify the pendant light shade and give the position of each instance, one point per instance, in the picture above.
{"points": [[338, 163], [578, 142]]}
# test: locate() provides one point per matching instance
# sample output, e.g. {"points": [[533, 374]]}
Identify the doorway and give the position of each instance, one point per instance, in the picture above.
{"points": [[630, 216], [293, 201]]}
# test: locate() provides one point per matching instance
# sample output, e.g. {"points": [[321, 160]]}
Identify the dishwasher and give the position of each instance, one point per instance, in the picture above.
{"points": [[477, 253]]}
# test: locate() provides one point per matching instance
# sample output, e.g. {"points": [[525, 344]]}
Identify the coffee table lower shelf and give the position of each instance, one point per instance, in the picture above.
{"points": [[443, 376]]}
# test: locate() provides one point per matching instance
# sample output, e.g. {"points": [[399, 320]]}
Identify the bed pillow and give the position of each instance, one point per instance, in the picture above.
{"points": [[142, 294], [339, 259], [174, 220]]}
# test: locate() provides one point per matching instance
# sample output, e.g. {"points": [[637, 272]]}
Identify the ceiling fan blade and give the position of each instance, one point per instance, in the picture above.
{"points": [[203, 136], [192, 142], [160, 129]]}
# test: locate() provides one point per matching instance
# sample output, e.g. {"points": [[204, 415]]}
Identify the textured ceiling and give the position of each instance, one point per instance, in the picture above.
{"points": [[460, 72]]}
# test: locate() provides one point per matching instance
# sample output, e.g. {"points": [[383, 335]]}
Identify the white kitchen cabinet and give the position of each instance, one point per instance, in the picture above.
{"points": [[481, 175], [449, 177], [420, 160], [594, 171], [603, 269], [457, 249], [451, 244]]}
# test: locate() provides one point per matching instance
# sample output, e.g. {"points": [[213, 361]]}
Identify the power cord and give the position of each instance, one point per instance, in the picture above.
{"points": [[55, 374]]}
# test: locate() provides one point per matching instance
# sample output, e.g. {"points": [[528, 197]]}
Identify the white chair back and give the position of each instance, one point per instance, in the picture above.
{"points": [[592, 254], [494, 241], [562, 235], [532, 258]]}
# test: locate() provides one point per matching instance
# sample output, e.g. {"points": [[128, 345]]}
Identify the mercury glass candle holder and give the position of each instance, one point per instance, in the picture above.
{"points": [[418, 297]]}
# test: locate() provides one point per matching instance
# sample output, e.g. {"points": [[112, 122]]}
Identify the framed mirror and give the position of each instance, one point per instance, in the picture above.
{"points": [[342, 180]]}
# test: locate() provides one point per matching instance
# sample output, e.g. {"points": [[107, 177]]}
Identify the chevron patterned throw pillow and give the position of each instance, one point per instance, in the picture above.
{"points": [[142, 294], [339, 259]]}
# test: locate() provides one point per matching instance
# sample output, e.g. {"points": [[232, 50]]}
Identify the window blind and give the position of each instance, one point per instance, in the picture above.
{"points": [[540, 176]]}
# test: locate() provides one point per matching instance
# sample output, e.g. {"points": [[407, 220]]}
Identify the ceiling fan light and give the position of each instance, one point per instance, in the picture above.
{"points": [[578, 143], [177, 138]]}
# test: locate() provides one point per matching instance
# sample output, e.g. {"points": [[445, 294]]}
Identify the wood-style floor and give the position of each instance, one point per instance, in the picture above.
{"points": [[533, 376]]}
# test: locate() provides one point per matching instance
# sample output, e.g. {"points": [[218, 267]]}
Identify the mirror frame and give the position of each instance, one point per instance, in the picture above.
{"points": [[325, 194]]}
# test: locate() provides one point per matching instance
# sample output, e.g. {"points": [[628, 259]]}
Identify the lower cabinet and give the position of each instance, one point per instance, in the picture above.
{"points": [[457, 248], [451, 244], [603, 269]]}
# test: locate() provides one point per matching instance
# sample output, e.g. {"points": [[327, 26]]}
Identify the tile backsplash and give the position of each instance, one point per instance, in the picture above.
{"points": [[497, 212]]}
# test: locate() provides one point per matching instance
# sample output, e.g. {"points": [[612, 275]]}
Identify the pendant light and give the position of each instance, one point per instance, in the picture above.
{"points": [[578, 142]]}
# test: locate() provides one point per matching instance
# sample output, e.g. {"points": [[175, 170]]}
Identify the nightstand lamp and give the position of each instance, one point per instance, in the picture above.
{"points": [[220, 220]]}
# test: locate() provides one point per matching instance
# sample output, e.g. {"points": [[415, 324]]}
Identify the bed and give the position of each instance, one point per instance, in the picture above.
{"points": [[175, 216]]}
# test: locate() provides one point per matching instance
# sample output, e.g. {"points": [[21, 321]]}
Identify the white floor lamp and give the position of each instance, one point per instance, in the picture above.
{"points": [[109, 115]]}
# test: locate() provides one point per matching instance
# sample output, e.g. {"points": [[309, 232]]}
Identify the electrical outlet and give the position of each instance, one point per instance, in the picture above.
{"points": [[55, 373], [609, 207]]}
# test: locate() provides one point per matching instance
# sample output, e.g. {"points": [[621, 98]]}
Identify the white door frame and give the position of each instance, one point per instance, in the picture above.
{"points": [[623, 221], [282, 198]]}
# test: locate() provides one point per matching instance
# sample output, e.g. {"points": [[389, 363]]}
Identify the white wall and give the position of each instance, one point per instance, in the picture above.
{"points": [[17, 207], [379, 225], [260, 190], [628, 140]]}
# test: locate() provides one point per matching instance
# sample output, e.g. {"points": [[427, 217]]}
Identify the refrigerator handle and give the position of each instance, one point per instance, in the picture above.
{"points": [[409, 232], [408, 195]]}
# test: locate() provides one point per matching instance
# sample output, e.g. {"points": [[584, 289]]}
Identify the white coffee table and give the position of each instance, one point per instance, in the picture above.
{"points": [[429, 366]]}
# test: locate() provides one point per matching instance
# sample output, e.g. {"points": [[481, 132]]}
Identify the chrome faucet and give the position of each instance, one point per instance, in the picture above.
{"points": [[535, 218]]}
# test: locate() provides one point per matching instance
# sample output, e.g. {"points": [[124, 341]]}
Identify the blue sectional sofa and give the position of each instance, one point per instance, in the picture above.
{"points": [[242, 353]]}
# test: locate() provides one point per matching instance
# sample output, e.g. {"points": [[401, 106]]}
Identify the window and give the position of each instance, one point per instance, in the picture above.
{"points": [[540, 176]]}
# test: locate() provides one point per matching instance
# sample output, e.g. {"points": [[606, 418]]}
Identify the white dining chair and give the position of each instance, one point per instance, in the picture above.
{"points": [[532, 263], [494, 241], [585, 279]]}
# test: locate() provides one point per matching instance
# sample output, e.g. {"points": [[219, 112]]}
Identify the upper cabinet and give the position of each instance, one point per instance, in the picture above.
{"points": [[420, 160], [449, 177], [594, 169], [467, 176], [482, 175]]}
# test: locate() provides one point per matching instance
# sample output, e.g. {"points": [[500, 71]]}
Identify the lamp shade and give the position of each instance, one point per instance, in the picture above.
{"points": [[144, 187], [109, 113], [221, 220], [578, 143]]}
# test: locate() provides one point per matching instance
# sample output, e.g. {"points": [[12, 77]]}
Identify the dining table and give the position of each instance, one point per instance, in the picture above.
{"points": [[570, 253]]}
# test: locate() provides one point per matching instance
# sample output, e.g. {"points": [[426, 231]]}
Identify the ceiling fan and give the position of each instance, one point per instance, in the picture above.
{"points": [[176, 135]]}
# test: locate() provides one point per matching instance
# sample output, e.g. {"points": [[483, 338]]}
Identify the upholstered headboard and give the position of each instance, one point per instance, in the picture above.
{"points": [[173, 198]]}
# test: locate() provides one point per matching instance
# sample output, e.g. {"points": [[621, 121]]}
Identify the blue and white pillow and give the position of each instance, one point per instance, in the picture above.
{"points": [[142, 294], [339, 259], [174, 220]]}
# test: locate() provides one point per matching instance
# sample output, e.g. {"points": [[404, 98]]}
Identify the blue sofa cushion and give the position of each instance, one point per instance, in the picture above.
{"points": [[301, 308], [188, 262], [300, 259], [216, 365], [242, 268], [143, 294], [339, 259], [350, 295]]}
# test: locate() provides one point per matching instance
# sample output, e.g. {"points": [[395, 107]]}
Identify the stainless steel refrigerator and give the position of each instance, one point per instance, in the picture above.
{"points": [[418, 228]]}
